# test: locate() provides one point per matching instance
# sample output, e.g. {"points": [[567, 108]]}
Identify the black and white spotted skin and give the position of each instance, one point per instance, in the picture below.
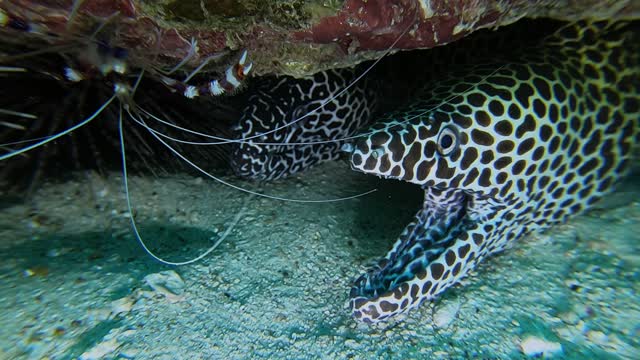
{"points": [[279, 101], [519, 146]]}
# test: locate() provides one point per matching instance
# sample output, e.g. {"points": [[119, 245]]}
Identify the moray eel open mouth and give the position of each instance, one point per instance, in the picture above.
{"points": [[525, 144], [434, 230]]}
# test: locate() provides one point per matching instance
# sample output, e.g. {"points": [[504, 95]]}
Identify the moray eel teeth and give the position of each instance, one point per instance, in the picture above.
{"points": [[530, 143]]}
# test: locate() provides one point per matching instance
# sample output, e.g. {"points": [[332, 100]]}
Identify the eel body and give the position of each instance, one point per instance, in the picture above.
{"points": [[501, 149]]}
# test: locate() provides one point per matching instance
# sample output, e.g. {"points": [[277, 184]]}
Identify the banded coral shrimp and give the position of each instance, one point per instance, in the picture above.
{"points": [[85, 61], [87, 64]]}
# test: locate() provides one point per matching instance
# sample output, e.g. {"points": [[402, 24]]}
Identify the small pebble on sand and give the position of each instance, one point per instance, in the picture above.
{"points": [[535, 346]]}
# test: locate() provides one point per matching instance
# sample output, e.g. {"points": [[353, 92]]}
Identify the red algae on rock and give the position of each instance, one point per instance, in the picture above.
{"points": [[300, 37]]}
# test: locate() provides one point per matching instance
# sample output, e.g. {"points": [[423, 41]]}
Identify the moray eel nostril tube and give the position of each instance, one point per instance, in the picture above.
{"points": [[532, 141]]}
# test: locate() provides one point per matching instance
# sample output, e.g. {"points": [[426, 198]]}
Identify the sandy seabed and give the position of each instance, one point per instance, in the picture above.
{"points": [[76, 284]]}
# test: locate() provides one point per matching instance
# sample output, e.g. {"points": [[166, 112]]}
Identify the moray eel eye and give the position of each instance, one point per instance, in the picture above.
{"points": [[447, 140], [377, 152]]}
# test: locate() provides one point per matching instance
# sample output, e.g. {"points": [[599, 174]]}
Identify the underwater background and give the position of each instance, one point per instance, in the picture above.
{"points": [[75, 282]]}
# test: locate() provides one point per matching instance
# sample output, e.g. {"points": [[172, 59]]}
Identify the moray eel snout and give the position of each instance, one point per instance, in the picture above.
{"points": [[395, 283]]}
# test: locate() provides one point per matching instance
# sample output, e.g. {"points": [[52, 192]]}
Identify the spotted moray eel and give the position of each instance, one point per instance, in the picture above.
{"points": [[277, 101], [528, 144], [501, 149]]}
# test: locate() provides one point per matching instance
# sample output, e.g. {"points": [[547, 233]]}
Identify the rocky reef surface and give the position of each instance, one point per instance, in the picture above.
{"points": [[298, 37]]}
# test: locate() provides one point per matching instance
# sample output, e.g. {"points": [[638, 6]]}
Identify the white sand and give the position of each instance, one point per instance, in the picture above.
{"points": [[73, 276]]}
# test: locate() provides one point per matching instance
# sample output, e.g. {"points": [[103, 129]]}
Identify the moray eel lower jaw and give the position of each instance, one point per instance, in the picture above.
{"points": [[400, 281]]}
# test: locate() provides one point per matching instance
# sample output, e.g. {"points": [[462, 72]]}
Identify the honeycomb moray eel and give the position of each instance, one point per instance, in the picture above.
{"points": [[278, 101], [501, 150]]}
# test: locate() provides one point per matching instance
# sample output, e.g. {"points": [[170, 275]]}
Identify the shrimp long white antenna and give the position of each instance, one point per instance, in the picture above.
{"points": [[12, 69], [219, 180], [18, 114], [159, 133], [60, 134], [134, 226], [193, 50], [136, 84], [222, 140]]}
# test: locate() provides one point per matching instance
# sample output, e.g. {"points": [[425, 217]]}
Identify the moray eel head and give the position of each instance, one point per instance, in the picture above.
{"points": [[426, 151], [429, 255]]}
